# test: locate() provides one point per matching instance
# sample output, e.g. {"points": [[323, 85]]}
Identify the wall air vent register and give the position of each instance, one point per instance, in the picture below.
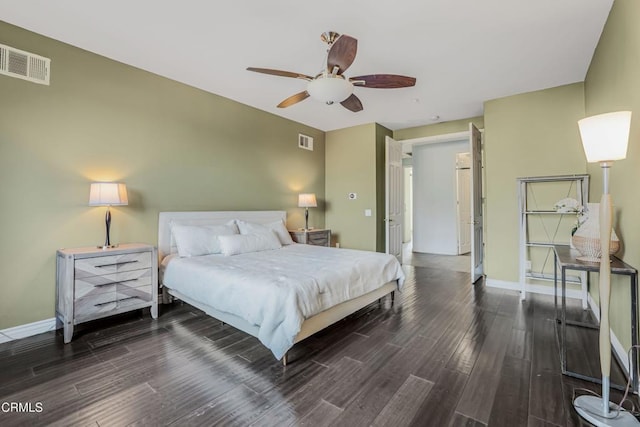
{"points": [[305, 142], [24, 65]]}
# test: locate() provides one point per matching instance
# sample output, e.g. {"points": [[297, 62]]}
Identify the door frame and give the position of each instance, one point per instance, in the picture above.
{"points": [[435, 139], [448, 137]]}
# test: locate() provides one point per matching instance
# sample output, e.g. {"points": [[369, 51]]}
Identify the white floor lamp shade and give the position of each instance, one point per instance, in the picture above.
{"points": [[605, 138]]}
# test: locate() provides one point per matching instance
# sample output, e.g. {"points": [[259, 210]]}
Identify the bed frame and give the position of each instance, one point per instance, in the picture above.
{"points": [[316, 323]]}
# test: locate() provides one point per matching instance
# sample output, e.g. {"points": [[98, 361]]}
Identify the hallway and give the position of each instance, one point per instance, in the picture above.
{"points": [[460, 263]]}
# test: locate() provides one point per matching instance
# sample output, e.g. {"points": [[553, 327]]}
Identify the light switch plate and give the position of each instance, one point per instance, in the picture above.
{"points": [[367, 212]]}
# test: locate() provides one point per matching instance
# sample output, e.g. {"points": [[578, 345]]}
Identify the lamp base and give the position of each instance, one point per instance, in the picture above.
{"points": [[104, 247], [590, 408]]}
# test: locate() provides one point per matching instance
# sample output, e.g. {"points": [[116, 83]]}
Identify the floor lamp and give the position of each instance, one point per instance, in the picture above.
{"points": [[605, 138]]}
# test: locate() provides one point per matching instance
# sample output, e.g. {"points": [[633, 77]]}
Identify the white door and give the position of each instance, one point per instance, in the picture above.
{"points": [[477, 244], [394, 197], [463, 202]]}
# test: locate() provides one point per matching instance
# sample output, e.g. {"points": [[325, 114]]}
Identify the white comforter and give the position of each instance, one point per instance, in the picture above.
{"points": [[277, 289]]}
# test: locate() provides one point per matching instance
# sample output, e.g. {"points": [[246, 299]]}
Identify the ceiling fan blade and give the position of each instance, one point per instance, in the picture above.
{"points": [[280, 73], [294, 99], [352, 103], [342, 53], [383, 81]]}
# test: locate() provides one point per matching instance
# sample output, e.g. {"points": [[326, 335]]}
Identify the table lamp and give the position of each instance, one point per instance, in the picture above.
{"points": [[306, 201], [605, 138], [108, 194]]}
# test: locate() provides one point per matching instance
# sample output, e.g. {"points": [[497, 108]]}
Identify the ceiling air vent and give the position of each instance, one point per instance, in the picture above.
{"points": [[305, 142], [24, 65]]}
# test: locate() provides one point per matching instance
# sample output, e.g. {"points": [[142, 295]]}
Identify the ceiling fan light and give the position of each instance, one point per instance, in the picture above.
{"points": [[330, 89]]}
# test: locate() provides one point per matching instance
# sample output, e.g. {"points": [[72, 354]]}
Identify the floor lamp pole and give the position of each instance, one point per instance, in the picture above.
{"points": [[606, 208]]}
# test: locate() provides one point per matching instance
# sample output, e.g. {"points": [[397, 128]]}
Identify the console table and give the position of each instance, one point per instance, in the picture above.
{"points": [[565, 259]]}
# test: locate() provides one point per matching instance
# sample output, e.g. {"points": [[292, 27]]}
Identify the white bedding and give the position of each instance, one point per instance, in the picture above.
{"points": [[278, 289]]}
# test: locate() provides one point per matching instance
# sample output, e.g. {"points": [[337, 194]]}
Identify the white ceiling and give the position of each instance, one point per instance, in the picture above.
{"points": [[462, 52]]}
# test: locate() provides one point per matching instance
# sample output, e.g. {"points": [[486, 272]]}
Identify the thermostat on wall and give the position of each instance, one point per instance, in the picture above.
{"points": [[352, 196]]}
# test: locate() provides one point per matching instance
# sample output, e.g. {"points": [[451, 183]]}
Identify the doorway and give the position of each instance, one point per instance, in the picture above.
{"points": [[435, 197], [471, 263], [460, 263]]}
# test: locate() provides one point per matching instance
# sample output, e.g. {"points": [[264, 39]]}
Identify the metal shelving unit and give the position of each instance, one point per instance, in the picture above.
{"points": [[542, 227]]}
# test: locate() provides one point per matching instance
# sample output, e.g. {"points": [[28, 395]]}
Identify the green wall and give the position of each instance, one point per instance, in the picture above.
{"points": [[351, 167], [531, 134], [613, 84], [176, 148]]}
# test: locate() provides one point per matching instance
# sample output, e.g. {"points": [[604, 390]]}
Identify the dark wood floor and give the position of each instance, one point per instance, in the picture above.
{"points": [[448, 355]]}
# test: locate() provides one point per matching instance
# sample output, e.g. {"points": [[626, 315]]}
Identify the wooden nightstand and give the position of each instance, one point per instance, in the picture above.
{"points": [[92, 283], [319, 237]]}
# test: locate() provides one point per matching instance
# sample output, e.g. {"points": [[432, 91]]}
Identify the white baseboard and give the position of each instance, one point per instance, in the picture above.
{"points": [[534, 289], [23, 331], [502, 284]]}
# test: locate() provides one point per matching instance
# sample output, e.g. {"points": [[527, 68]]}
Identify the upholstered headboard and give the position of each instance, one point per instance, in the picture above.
{"points": [[166, 219]]}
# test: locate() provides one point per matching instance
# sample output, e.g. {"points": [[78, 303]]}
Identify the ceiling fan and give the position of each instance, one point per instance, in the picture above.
{"points": [[330, 85]]}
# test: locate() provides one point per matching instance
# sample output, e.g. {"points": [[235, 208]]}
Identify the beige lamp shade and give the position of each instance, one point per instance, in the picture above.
{"points": [[108, 194], [605, 137], [307, 200]]}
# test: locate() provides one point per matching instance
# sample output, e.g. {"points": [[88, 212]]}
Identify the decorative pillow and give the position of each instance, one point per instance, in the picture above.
{"points": [[244, 243], [196, 240], [277, 227]]}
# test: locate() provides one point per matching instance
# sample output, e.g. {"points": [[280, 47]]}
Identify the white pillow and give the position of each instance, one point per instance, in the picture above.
{"points": [[196, 240], [277, 227], [244, 243]]}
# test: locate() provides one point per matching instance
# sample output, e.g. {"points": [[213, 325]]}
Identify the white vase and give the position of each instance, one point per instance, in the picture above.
{"points": [[586, 239]]}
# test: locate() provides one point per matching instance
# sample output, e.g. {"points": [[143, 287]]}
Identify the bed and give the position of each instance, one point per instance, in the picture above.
{"points": [[282, 295]]}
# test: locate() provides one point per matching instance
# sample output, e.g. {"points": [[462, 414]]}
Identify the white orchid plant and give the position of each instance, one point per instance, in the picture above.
{"points": [[570, 205]]}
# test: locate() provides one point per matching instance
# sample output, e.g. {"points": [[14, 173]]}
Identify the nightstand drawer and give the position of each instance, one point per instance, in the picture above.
{"points": [[99, 266], [131, 302], [318, 239], [108, 282], [143, 293], [91, 305], [84, 289]]}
